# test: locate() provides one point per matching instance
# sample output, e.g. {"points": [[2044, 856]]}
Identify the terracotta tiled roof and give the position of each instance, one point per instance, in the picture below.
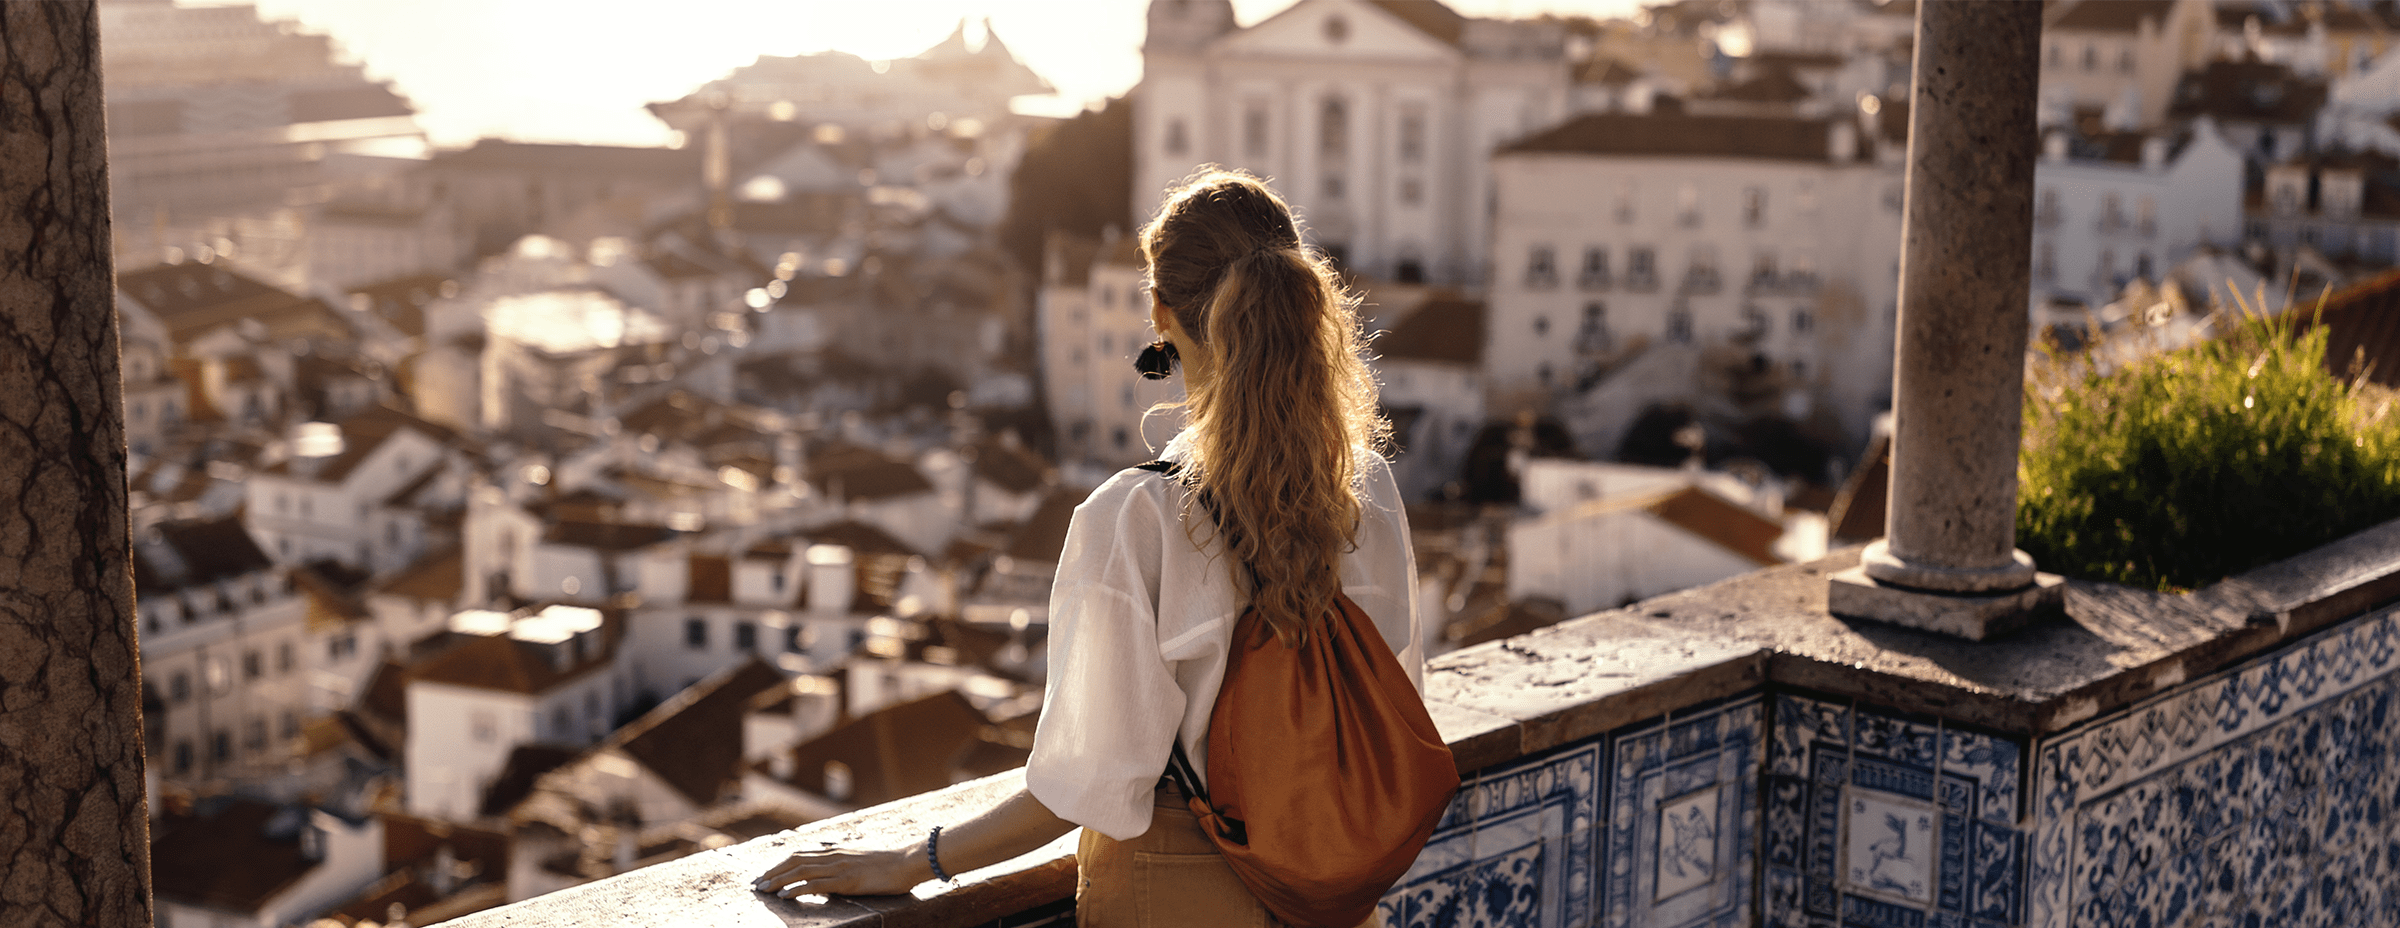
{"points": [[1044, 534], [498, 662], [896, 752], [1445, 328], [1607, 71], [711, 579], [436, 577], [222, 856], [2365, 324], [859, 537], [1772, 85], [606, 536], [187, 554], [668, 164], [1713, 517], [385, 697], [694, 740], [401, 301], [1428, 16], [1011, 467], [2111, 15], [525, 767], [192, 298], [1779, 138], [367, 431], [409, 841]]}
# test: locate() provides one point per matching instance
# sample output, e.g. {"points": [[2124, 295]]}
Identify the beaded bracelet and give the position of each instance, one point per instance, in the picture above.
{"points": [[933, 854]]}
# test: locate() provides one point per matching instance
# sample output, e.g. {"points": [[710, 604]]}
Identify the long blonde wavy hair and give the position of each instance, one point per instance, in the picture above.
{"points": [[1287, 412]]}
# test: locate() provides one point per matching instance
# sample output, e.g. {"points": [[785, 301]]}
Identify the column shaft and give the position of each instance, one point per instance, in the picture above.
{"points": [[1958, 373], [74, 838]]}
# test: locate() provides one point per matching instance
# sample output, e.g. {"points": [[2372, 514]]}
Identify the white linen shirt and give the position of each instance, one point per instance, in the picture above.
{"points": [[1141, 620]]}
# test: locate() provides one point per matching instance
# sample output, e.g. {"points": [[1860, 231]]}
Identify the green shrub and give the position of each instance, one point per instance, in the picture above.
{"points": [[2180, 468]]}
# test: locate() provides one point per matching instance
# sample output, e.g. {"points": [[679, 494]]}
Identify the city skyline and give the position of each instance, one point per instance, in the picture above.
{"points": [[528, 71]]}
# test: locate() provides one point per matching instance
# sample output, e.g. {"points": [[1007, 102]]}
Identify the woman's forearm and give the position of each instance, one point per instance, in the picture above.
{"points": [[1019, 824]]}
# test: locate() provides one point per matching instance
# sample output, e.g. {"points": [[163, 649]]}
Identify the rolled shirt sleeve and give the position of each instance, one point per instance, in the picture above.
{"points": [[1112, 705]]}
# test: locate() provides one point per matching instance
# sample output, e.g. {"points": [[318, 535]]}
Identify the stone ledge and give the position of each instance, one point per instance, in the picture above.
{"points": [[1497, 702], [713, 887]]}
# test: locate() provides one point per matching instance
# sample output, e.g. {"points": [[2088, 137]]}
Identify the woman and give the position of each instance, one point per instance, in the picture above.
{"points": [[1280, 425]]}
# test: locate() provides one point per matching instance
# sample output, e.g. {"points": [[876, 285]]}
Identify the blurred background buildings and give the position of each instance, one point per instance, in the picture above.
{"points": [[512, 513]]}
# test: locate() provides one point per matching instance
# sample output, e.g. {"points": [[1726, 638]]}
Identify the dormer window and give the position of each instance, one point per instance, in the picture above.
{"points": [[1337, 30]]}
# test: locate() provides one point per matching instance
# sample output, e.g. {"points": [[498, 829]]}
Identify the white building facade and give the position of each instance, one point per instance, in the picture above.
{"points": [[2099, 222], [1375, 118], [1771, 240]]}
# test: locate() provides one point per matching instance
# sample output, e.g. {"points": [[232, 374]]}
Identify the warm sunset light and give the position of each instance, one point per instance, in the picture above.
{"points": [[547, 70]]}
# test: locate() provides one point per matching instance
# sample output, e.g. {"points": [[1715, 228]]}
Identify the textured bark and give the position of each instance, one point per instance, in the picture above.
{"points": [[74, 838]]}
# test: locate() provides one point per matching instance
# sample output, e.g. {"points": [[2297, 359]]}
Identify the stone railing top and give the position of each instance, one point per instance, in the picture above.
{"points": [[1500, 701]]}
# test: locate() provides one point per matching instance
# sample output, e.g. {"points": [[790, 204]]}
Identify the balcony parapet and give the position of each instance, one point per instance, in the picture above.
{"points": [[1626, 679]]}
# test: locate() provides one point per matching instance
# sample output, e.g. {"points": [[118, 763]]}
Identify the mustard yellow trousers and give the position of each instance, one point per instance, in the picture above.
{"points": [[1170, 877]]}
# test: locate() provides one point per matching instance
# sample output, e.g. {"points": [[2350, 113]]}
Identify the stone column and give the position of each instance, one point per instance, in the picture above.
{"points": [[74, 837], [1948, 560]]}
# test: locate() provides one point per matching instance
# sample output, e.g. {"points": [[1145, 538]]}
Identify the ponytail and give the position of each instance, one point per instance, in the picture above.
{"points": [[1287, 412]]}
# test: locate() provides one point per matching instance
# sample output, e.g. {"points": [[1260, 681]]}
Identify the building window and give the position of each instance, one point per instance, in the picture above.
{"points": [[1254, 129], [1337, 29], [1176, 143], [2091, 57], [1541, 267], [1333, 127], [2047, 213], [2054, 57], [1544, 374], [1541, 326], [1409, 271], [695, 633], [1762, 269], [792, 640], [1625, 212], [1679, 325], [1754, 207], [1412, 133], [1803, 321], [2112, 213], [745, 636], [1594, 275], [2045, 262], [1687, 204], [2145, 215], [481, 724], [775, 580], [254, 735], [1412, 191], [220, 746], [291, 724], [1593, 337], [179, 688], [2125, 60], [1641, 268], [183, 755], [283, 657]]}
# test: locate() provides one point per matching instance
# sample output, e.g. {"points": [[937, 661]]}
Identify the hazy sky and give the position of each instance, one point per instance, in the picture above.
{"points": [[580, 70]]}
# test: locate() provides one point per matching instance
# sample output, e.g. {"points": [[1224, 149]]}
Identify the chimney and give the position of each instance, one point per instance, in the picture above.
{"points": [[1841, 142], [832, 582]]}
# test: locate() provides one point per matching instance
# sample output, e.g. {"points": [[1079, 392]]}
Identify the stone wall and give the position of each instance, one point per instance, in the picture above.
{"points": [[1736, 756]]}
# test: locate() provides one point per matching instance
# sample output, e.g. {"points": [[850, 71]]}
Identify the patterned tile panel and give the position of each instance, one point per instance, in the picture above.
{"points": [[2266, 794], [1683, 818], [1875, 819], [1654, 825], [1519, 848]]}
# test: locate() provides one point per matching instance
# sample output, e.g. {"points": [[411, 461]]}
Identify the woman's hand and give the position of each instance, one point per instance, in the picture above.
{"points": [[847, 872]]}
